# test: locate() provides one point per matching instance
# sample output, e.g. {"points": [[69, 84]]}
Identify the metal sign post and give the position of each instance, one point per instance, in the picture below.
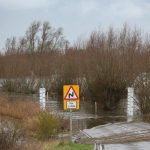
{"points": [[71, 101], [70, 125]]}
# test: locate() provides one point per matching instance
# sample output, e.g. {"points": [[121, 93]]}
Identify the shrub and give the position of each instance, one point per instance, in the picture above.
{"points": [[47, 125], [20, 85], [9, 135], [142, 91]]}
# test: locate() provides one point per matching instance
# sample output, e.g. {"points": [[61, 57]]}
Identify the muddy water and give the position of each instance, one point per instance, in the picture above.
{"points": [[87, 117], [84, 118]]}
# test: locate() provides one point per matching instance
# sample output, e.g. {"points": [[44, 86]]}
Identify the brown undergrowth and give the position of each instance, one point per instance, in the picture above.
{"points": [[18, 109], [29, 121]]}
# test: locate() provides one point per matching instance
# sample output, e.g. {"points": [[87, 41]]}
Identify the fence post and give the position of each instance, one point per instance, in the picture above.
{"points": [[47, 95], [95, 108]]}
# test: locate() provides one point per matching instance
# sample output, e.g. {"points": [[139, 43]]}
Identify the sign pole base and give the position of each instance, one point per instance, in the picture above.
{"points": [[70, 125]]}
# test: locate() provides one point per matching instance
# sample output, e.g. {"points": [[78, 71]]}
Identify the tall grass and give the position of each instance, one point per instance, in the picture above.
{"points": [[18, 109], [34, 121]]}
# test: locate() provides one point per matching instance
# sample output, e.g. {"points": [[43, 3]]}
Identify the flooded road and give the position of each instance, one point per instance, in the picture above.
{"points": [[83, 118], [86, 116]]}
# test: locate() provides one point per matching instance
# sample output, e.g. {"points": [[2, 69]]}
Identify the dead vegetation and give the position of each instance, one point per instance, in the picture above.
{"points": [[22, 124], [104, 64], [18, 109]]}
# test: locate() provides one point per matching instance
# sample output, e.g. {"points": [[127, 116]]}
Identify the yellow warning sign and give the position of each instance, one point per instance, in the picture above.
{"points": [[71, 97]]}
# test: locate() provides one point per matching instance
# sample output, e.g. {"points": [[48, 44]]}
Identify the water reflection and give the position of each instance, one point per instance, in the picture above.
{"points": [[86, 117], [83, 118]]}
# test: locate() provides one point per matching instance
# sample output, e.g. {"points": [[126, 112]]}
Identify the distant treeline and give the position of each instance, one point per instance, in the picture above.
{"points": [[104, 64]]}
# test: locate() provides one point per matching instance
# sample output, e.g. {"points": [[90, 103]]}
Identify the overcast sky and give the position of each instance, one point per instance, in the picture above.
{"points": [[76, 17]]}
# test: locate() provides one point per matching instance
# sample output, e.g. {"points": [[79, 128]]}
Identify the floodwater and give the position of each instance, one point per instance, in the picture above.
{"points": [[87, 117]]}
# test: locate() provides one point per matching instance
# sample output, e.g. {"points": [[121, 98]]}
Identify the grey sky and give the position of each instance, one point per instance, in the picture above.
{"points": [[76, 17]]}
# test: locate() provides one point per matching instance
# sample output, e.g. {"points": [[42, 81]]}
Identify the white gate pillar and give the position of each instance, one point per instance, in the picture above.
{"points": [[42, 96], [130, 104]]}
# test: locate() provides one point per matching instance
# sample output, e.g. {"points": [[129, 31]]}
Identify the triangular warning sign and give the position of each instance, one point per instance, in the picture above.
{"points": [[71, 94]]}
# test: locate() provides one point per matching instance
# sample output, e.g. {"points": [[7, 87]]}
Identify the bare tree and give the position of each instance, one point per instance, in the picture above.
{"points": [[32, 36], [22, 45], [11, 46], [44, 37], [51, 39]]}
